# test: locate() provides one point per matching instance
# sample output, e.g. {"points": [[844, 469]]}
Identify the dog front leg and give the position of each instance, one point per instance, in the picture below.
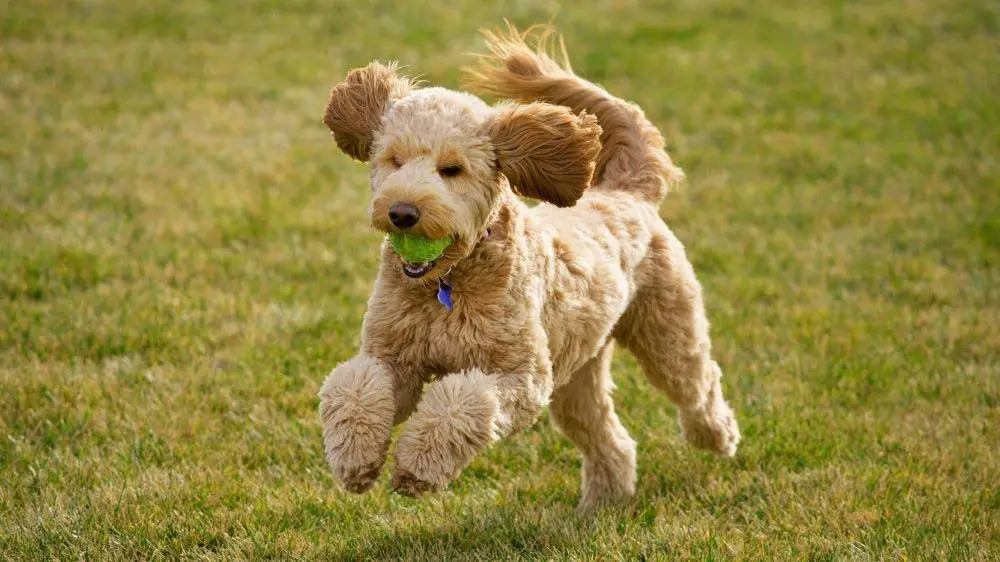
{"points": [[359, 402], [459, 416]]}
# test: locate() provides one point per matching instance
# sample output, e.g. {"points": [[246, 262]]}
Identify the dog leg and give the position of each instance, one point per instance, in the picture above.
{"points": [[459, 416], [583, 410], [359, 402], [666, 329]]}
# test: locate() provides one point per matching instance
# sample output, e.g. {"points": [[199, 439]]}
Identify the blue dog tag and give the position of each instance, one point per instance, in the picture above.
{"points": [[444, 293]]}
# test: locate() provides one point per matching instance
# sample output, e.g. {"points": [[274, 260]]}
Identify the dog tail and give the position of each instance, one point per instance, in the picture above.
{"points": [[632, 156]]}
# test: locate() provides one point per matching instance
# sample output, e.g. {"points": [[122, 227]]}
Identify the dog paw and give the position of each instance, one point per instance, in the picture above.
{"points": [[717, 432], [407, 484], [359, 480], [609, 480]]}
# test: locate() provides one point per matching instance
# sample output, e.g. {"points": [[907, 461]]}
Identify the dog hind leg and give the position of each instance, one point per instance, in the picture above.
{"points": [[666, 329], [583, 410]]}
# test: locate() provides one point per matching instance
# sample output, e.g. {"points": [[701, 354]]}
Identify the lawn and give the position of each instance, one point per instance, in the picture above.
{"points": [[184, 257]]}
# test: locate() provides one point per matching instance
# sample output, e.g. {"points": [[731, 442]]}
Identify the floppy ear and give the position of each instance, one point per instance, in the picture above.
{"points": [[358, 103], [546, 151]]}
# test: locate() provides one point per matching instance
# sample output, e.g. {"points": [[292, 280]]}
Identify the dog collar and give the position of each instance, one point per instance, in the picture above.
{"points": [[444, 284]]}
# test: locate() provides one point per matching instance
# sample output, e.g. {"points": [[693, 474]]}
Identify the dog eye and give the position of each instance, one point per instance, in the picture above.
{"points": [[397, 161], [450, 171]]}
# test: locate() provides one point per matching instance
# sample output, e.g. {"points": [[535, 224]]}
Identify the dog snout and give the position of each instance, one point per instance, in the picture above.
{"points": [[404, 215]]}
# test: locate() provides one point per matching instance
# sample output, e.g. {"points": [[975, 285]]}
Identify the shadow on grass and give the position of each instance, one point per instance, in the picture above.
{"points": [[504, 529], [543, 524]]}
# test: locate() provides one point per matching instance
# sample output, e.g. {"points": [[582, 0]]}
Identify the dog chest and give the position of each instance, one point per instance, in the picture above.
{"points": [[428, 338]]}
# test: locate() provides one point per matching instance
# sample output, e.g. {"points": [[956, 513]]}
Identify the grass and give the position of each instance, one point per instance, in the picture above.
{"points": [[183, 258]]}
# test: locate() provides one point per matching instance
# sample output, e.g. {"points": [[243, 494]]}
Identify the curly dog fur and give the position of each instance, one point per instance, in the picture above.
{"points": [[541, 295]]}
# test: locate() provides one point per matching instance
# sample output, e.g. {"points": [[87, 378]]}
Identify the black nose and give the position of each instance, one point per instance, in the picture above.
{"points": [[404, 215]]}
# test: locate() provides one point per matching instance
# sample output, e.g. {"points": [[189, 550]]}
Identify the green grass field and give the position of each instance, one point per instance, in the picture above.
{"points": [[184, 257]]}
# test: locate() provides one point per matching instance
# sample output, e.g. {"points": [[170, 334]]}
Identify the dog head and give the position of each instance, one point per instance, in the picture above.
{"points": [[441, 161]]}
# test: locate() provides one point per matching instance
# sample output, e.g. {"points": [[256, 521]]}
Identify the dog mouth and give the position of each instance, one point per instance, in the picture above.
{"points": [[417, 270]]}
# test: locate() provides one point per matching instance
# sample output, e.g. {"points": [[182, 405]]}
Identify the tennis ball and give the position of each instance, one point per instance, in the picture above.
{"points": [[417, 249]]}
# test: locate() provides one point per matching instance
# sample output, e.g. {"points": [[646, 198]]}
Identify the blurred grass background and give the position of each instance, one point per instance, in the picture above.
{"points": [[184, 256]]}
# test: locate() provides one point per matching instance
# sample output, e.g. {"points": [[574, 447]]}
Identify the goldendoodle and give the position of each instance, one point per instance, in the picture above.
{"points": [[521, 306]]}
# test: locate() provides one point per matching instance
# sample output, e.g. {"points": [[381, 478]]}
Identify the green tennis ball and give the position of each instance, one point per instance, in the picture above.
{"points": [[417, 249]]}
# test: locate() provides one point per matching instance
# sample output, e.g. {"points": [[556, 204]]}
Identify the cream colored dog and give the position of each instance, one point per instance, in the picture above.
{"points": [[540, 294]]}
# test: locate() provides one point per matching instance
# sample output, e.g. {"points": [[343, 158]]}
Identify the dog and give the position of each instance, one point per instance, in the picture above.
{"points": [[537, 296]]}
